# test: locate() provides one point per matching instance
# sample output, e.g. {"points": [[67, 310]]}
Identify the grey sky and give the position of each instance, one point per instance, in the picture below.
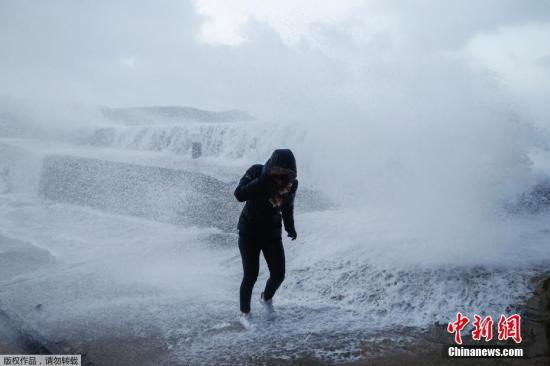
{"points": [[280, 59]]}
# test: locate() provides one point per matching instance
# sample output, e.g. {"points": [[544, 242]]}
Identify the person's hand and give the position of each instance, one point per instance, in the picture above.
{"points": [[292, 234], [276, 201], [271, 187]]}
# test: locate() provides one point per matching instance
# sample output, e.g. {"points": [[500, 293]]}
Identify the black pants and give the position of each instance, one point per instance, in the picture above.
{"points": [[274, 254]]}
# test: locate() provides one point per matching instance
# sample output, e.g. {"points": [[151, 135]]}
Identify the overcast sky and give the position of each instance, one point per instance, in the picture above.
{"points": [[278, 59]]}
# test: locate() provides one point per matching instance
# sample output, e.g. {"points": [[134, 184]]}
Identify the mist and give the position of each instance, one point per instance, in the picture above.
{"points": [[420, 132]]}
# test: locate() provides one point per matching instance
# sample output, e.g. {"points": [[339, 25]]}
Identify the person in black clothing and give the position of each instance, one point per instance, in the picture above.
{"points": [[269, 192]]}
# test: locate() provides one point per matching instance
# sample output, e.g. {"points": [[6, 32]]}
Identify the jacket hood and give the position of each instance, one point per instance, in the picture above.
{"points": [[282, 158]]}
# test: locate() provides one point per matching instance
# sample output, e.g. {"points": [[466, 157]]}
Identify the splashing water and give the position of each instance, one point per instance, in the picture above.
{"points": [[400, 225]]}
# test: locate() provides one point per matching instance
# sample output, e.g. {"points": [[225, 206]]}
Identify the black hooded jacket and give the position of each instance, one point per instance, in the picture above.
{"points": [[256, 187]]}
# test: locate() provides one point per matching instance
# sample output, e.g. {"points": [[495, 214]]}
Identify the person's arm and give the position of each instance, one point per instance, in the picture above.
{"points": [[287, 211], [252, 184]]}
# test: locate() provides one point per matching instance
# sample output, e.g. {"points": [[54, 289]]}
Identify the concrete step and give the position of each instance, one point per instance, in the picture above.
{"points": [[145, 184]]}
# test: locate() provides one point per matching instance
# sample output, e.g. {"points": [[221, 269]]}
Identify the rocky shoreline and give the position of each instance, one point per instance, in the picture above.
{"points": [[14, 340], [535, 333]]}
